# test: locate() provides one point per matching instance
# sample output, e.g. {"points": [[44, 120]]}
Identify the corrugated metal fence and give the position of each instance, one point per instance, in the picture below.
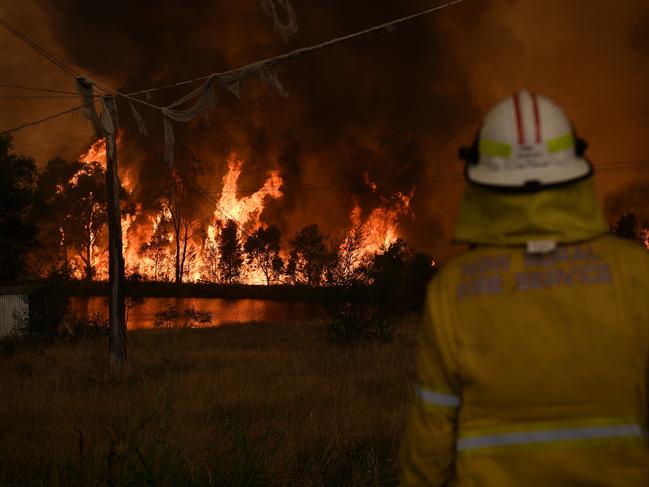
{"points": [[13, 308]]}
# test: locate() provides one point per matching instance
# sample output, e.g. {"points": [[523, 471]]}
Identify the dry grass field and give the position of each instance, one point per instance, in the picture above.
{"points": [[258, 404]]}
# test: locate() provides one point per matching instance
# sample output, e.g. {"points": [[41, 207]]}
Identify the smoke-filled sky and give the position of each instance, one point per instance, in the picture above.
{"points": [[393, 105]]}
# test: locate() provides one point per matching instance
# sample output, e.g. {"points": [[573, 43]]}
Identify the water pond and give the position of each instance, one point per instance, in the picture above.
{"points": [[201, 312]]}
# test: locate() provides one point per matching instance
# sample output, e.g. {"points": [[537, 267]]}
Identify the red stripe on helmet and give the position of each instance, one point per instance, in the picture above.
{"points": [[519, 121], [537, 118]]}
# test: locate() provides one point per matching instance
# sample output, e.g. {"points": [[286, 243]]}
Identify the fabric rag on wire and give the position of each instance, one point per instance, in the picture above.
{"points": [[285, 29], [205, 99], [103, 124]]}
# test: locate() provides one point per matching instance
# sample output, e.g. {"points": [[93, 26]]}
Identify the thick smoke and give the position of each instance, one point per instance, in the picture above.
{"points": [[394, 106], [373, 106]]}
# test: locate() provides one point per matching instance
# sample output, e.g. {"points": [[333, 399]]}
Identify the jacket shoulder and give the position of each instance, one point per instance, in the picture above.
{"points": [[624, 248]]}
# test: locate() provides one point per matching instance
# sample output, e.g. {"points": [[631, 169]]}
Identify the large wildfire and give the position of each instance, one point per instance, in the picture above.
{"points": [[150, 240]]}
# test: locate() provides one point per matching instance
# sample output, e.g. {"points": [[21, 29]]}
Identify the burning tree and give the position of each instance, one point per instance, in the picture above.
{"points": [[210, 261], [262, 253], [156, 250], [54, 213], [87, 204], [349, 257], [309, 256], [230, 253], [73, 199], [179, 198]]}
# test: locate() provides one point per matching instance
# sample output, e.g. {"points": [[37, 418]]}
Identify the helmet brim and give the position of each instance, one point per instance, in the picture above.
{"points": [[529, 178]]}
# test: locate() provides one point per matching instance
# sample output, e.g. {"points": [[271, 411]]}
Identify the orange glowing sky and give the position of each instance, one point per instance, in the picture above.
{"points": [[416, 94]]}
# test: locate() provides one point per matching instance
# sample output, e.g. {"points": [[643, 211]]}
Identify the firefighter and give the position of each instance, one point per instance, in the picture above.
{"points": [[533, 348]]}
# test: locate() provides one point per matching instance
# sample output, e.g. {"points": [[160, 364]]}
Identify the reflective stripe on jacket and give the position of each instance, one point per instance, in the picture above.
{"points": [[532, 370]]}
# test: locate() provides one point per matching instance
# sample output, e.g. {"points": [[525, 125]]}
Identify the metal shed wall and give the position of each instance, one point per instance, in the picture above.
{"points": [[12, 305]]}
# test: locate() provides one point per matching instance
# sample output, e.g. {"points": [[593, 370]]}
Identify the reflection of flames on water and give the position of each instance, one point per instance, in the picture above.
{"points": [[149, 242]]}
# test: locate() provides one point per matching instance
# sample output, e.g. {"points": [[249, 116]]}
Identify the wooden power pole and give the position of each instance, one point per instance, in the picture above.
{"points": [[116, 309]]}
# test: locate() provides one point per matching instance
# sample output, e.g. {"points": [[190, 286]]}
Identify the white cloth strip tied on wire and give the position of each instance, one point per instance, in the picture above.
{"points": [[141, 127], [206, 99], [102, 124], [296, 52], [86, 92], [285, 29]]}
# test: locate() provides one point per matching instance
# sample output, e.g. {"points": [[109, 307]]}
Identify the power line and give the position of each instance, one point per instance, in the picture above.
{"points": [[44, 90], [45, 53], [293, 54], [38, 97], [36, 122], [38, 48]]}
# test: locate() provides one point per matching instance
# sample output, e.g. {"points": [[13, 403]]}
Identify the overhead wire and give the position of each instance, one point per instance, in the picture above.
{"points": [[291, 54], [37, 122], [44, 90], [39, 49], [38, 97]]}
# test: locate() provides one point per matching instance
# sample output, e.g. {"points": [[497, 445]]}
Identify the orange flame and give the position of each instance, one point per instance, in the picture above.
{"points": [[381, 227], [148, 241], [248, 209]]}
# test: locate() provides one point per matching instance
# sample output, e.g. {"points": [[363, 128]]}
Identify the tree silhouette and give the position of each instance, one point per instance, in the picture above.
{"points": [[52, 213], [309, 256], [85, 198], [231, 255], [157, 249], [17, 191], [262, 252], [180, 198]]}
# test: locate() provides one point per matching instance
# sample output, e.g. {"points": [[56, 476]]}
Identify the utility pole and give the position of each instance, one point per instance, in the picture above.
{"points": [[116, 310], [106, 127]]}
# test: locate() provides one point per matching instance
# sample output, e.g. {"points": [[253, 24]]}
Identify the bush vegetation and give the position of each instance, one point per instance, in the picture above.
{"points": [[262, 404]]}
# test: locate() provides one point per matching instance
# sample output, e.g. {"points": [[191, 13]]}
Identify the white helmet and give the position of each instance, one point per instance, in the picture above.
{"points": [[526, 142]]}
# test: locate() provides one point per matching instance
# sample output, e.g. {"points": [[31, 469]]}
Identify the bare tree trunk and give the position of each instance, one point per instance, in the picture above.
{"points": [[88, 258], [89, 262], [179, 276], [185, 238], [116, 309]]}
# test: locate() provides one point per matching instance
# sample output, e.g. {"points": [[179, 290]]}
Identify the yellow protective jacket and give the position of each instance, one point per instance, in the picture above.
{"points": [[532, 369]]}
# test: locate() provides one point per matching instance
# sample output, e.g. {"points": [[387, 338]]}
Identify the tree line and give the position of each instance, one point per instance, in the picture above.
{"points": [[54, 221]]}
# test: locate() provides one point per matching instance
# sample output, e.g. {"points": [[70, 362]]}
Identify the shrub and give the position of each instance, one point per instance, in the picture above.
{"points": [[350, 323], [84, 327]]}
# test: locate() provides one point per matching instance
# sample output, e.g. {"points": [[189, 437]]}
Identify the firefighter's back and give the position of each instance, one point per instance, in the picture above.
{"points": [[552, 352]]}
